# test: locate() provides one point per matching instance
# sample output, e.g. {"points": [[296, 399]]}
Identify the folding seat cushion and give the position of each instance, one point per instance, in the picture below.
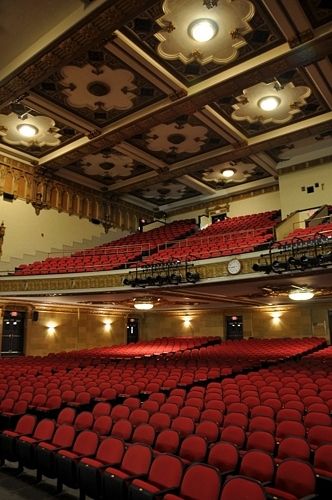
{"points": [[288, 429], [102, 426], [294, 479], [238, 419], [293, 447], [208, 430], [165, 475], [262, 424], [200, 482], [132, 403], [215, 404], [110, 453], [101, 408], [288, 414], [85, 445], [160, 397], [160, 421], [167, 441], [45, 451], [193, 449], [122, 429], [184, 426], [257, 464], [261, 440], [315, 418], [83, 421], [24, 427], [262, 411], [323, 470], [190, 412], [26, 445], [119, 412], [234, 435], [212, 415], [139, 416], [238, 408], [144, 433], [135, 464], [242, 488], [224, 456]]}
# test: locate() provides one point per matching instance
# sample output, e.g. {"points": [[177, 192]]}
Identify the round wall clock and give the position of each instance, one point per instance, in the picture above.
{"points": [[234, 266]]}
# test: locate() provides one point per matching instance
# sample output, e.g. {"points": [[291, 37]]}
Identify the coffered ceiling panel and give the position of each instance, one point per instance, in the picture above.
{"points": [[98, 87], [153, 100], [244, 30]]}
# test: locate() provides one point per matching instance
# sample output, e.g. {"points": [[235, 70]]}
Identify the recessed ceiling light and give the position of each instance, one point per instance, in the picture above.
{"points": [[228, 172], [27, 130], [269, 103], [203, 30]]}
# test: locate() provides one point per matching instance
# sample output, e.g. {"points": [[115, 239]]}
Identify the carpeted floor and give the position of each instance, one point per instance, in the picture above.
{"points": [[24, 486]]}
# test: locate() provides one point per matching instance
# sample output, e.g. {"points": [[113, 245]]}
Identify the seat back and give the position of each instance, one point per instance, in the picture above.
{"points": [[296, 477], [294, 447], [64, 436], [66, 416], [144, 433], [83, 421], [166, 471], [257, 464], [86, 443], [122, 429], [193, 449], [44, 430], [101, 409], [111, 451], [137, 459], [167, 441], [26, 424], [102, 425], [242, 488], [201, 482], [323, 458], [224, 456]]}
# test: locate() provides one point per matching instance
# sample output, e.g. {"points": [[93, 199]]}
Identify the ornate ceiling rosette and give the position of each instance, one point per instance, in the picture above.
{"points": [[231, 173], [177, 138], [114, 165], [85, 87], [44, 130], [165, 192], [288, 101], [230, 19]]}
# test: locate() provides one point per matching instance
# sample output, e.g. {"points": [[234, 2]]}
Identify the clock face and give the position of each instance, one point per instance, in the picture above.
{"points": [[234, 266]]}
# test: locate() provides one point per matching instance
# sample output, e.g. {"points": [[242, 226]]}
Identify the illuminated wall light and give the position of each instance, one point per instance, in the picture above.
{"points": [[107, 325], [276, 314], [187, 321], [51, 328]]}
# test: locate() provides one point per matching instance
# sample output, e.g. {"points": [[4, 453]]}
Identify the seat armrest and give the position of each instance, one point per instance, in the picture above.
{"points": [[166, 490]]}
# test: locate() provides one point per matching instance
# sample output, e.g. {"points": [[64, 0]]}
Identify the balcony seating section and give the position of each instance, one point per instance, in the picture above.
{"points": [[266, 427], [113, 255], [232, 236], [308, 233]]}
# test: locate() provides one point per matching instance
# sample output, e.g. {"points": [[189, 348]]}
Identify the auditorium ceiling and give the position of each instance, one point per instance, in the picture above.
{"points": [[166, 104]]}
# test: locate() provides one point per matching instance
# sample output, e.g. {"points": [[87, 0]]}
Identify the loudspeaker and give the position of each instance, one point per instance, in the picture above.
{"points": [[95, 221], [8, 197], [35, 315]]}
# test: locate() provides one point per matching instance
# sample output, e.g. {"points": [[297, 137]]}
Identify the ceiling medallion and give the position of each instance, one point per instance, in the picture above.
{"points": [[110, 165], [33, 130], [173, 137], [226, 173], [161, 191], [267, 103], [112, 90], [212, 38]]}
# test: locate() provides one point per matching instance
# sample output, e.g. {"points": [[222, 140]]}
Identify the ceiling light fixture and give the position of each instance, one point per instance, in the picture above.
{"points": [[144, 304], [203, 30], [304, 294], [27, 130], [229, 172], [269, 103]]}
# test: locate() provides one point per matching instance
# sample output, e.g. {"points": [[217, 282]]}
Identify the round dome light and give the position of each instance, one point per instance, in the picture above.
{"points": [[229, 172], [203, 30], [269, 103], [27, 130], [143, 304], [301, 294]]}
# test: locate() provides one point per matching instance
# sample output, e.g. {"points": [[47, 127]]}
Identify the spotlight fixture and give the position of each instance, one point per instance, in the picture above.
{"points": [[27, 130], [203, 30], [269, 103], [264, 268], [143, 304], [192, 277], [228, 172], [301, 294]]}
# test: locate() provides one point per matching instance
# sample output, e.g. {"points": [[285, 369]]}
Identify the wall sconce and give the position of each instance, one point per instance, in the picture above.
{"points": [[51, 329], [276, 314], [187, 321], [107, 325]]}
